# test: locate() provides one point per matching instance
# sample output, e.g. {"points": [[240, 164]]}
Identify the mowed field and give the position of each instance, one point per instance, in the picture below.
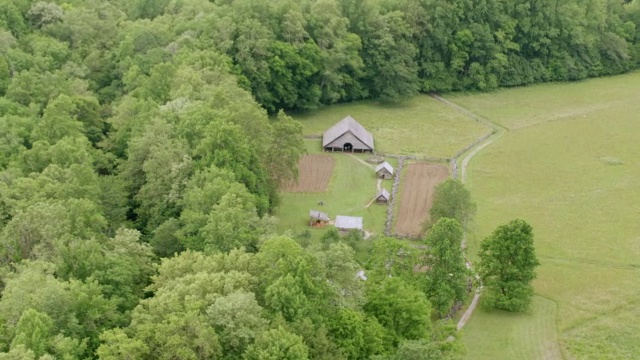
{"points": [[314, 173], [421, 126], [416, 195], [568, 164]]}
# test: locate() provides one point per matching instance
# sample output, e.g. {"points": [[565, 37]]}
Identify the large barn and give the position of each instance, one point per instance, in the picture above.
{"points": [[347, 135]]}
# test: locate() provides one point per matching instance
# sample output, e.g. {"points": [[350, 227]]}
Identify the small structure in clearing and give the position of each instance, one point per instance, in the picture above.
{"points": [[384, 171], [318, 218], [347, 223], [383, 196], [347, 135]]}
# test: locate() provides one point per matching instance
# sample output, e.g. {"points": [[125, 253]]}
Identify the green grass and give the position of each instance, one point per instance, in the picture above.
{"points": [[421, 126], [569, 166], [506, 329], [352, 187]]}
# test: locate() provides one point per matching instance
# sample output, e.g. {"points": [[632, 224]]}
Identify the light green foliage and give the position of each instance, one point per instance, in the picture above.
{"points": [[277, 344], [76, 309], [447, 275], [507, 263], [452, 200], [404, 311], [33, 332], [293, 280], [285, 150], [393, 258], [117, 345], [357, 335], [219, 213], [417, 350], [340, 270]]}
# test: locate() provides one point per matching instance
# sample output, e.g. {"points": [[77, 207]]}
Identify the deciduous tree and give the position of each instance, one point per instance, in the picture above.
{"points": [[507, 266]]}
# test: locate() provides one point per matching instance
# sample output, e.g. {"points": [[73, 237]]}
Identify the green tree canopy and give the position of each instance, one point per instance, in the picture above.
{"points": [[507, 266]]}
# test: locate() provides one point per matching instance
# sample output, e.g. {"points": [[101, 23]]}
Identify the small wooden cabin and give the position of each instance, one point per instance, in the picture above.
{"points": [[318, 218], [384, 171], [383, 197]]}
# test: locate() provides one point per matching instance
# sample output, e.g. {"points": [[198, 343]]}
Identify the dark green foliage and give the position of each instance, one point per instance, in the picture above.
{"points": [[507, 266]]}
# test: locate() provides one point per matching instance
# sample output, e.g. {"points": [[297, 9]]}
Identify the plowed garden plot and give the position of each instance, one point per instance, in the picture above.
{"points": [[416, 196], [314, 174]]}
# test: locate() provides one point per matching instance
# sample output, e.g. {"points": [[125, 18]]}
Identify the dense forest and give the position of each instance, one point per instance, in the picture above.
{"points": [[143, 143]]}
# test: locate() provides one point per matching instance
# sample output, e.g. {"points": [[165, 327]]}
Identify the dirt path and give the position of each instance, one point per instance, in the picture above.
{"points": [[463, 172], [378, 185], [362, 161]]}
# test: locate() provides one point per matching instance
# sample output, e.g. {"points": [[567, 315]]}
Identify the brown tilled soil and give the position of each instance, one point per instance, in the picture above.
{"points": [[314, 174], [416, 196]]}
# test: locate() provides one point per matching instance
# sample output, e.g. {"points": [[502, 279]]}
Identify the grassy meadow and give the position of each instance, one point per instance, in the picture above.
{"points": [[421, 126], [568, 164]]}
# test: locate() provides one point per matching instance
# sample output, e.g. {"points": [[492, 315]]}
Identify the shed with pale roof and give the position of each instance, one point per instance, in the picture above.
{"points": [[383, 196], [346, 223], [318, 218], [347, 135], [384, 171]]}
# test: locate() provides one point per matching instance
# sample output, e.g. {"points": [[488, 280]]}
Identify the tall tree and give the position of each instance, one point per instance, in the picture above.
{"points": [[452, 200], [507, 266], [447, 275]]}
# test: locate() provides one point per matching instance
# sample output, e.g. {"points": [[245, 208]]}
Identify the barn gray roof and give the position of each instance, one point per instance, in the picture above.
{"points": [[348, 222], [384, 193], [314, 214], [345, 125], [385, 165]]}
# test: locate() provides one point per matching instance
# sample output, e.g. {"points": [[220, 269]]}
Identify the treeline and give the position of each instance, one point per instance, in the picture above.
{"points": [[301, 54], [137, 179]]}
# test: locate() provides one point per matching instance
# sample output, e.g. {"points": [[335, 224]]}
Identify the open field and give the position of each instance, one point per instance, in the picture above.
{"points": [[416, 195], [351, 187], [421, 126], [314, 173], [569, 166]]}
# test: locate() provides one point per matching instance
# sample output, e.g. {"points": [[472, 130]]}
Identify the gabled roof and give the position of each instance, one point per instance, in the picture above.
{"points": [[314, 214], [345, 125], [348, 222], [385, 165], [384, 193]]}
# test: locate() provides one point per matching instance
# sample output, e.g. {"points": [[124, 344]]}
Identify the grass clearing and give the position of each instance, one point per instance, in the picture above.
{"points": [[570, 167], [530, 335], [421, 126]]}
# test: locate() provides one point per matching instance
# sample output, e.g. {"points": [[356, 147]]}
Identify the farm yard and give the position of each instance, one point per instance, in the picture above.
{"points": [[350, 190], [567, 163], [416, 193]]}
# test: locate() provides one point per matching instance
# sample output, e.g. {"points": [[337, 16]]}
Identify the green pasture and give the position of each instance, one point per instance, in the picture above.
{"points": [[352, 187], [569, 165], [421, 126]]}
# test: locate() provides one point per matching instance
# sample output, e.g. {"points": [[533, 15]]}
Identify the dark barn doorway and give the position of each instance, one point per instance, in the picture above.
{"points": [[347, 147]]}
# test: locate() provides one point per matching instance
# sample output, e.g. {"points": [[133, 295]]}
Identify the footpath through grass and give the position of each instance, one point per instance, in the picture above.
{"points": [[569, 166], [421, 126]]}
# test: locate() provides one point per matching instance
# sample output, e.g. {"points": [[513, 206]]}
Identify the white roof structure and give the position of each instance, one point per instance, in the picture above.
{"points": [[345, 125], [314, 214], [348, 222], [384, 193], [385, 165]]}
